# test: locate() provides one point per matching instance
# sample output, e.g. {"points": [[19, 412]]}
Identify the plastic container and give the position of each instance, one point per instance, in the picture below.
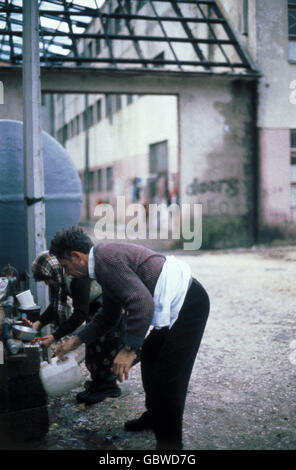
{"points": [[59, 377]]}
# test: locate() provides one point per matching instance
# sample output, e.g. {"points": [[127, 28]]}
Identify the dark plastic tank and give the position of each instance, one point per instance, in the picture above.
{"points": [[63, 195]]}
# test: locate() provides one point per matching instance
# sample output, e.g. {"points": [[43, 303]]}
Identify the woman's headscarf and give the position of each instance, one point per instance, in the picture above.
{"points": [[47, 267]]}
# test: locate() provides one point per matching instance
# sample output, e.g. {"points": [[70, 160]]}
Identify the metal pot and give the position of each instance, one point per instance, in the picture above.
{"points": [[24, 333]]}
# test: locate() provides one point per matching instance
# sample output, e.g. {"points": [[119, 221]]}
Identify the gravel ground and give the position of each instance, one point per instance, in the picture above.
{"points": [[242, 391]]}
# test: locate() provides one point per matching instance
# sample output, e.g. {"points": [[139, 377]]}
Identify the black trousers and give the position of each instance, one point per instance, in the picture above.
{"points": [[167, 360]]}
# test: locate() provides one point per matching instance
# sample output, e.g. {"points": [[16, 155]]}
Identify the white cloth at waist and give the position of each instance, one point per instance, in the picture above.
{"points": [[91, 264], [170, 291]]}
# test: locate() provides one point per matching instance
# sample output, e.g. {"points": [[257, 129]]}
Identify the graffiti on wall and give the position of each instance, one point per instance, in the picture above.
{"points": [[229, 186]]}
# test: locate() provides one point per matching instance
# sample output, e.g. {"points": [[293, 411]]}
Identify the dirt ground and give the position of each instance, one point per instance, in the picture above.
{"points": [[242, 391]]}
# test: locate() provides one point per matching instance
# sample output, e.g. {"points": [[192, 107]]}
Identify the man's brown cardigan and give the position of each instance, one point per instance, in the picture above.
{"points": [[128, 274]]}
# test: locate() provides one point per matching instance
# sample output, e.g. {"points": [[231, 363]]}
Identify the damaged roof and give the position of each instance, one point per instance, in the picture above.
{"points": [[183, 35]]}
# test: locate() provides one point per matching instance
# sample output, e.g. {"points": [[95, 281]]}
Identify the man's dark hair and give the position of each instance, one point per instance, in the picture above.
{"points": [[70, 239]]}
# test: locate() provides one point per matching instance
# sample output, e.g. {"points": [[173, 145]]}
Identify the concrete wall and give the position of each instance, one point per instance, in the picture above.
{"points": [[12, 107], [275, 185], [218, 158], [276, 116], [267, 40]]}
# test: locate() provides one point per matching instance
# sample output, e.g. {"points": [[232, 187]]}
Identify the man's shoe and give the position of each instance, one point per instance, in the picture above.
{"points": [[140, 424], [95, 394], [88, 385], [102, 392]]}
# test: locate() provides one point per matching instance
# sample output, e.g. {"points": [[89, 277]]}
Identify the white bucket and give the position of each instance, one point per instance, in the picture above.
{"points": [[60, 377], [26, 299]]}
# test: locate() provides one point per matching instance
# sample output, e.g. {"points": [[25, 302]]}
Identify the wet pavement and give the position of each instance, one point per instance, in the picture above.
{"points": [[242, 390]]}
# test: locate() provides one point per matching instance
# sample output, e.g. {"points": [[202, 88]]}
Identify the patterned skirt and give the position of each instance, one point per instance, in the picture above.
{"points": [[99, 356]]}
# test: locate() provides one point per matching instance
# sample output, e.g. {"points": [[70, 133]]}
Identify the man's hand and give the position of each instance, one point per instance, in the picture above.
{"points": [[68, 346], [48, 341], [122, 364], [36, 325]]}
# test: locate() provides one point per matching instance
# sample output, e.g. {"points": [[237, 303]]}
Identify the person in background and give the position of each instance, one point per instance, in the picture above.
{"points": [[154, 290], [86, 299]]}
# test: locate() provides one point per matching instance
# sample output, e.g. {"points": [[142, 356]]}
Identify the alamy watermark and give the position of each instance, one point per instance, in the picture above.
{"points": [[1, 93], [293, 92], [1, 353], [151, 221]]}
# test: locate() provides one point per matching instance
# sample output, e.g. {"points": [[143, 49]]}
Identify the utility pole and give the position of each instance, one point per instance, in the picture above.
{"points": [[32, 145]]}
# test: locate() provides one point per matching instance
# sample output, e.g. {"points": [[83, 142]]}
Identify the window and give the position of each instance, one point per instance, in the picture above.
{"points": [[129, 99], [118, 102], [110, 25], [293, 168], [128, 6], [84, 117], [100, 180], [90, 49], [292, 29], [77, 121], [140, 4], [88, 181], [159, 58], [98, 44], [60, 136], [90, 116], [158, 167], [117, 25], [158, 156], [65, 133], [109, 110], [99, 110], [91, 181], [245, 25], [109, 178], [72, 128]]}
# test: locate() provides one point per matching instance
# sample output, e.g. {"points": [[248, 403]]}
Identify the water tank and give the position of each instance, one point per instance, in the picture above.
{"points": [[63, 195]]}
